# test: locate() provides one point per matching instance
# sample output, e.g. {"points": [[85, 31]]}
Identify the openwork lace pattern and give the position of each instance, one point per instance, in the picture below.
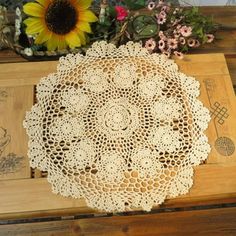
{"points": [[119, 127]]}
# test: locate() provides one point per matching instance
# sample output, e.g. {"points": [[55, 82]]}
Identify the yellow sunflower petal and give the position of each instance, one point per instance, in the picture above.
{"points": [[52, 43], [87, 16], [73, 40], [61, 43], [43, 37], [84, 26], [34, 25], [43, 2], [34, 9], [81, 36], [84, 4]]}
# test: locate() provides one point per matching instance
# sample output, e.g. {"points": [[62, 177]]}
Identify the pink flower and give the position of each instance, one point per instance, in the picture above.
{"points": [[161, 3], [182, 40], [162, 13], [165, 8], [197, 44], [176, 11], [121, 12], [161, 44], [166, 53], [161, 35], [180, 55], [210, 38], [151, 5], [172, 43], [186, 31], [150, 44], [191, 42], [178, 27], [161, 20], [176, 34]]}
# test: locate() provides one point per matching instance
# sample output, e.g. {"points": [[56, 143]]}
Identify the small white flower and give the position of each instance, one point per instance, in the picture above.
{"points": [[28, 52], [17, 32], [18, 11], [17, 24]]}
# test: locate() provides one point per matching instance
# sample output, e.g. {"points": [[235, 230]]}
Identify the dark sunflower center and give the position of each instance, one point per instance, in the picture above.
{"points": [[61, 17]]}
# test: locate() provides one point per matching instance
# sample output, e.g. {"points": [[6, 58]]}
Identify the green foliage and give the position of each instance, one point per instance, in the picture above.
{"points": [[201, 25], [143, 26], [135, 4]]}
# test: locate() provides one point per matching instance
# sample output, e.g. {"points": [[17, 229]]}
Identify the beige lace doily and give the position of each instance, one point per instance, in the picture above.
{"points": [[119, 127]]}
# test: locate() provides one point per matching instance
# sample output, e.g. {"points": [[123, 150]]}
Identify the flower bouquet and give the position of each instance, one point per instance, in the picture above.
{"points": [[51, 28]]}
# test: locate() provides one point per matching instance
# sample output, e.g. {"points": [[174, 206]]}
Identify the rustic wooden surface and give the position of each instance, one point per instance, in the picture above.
{"points": [[27, 206], [34, 196], [217, 222], [214, 180], [13, 157]]}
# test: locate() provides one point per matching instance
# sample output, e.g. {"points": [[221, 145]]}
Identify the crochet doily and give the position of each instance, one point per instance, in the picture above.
{"points": [[119, 127]]}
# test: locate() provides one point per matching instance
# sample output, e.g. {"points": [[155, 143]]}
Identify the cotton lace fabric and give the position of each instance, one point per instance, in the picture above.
{"points": [[119, 127]]}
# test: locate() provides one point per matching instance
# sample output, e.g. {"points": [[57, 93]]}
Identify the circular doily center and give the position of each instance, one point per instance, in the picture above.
{"points": [[151, 85], [66, 128], [146, 163], [74, 99], [95, 79], [118, 118], [80, 154]]}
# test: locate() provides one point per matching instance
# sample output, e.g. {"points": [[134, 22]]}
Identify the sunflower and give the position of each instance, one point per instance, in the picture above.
{"points": [[59, 23]]}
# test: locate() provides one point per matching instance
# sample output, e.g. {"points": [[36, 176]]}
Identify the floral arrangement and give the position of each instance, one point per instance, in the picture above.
{"points": [[56, 27]]}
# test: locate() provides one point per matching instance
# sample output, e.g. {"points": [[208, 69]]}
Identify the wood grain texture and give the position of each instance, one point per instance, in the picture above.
{"points": [[14, 162], [21, 74], [18, 74], [207, 68], [34, 197], [231, 63], [216, 178], [217, 222]]}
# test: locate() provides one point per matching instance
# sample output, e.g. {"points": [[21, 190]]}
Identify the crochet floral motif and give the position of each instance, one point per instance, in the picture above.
{"points": [[119, 127]]}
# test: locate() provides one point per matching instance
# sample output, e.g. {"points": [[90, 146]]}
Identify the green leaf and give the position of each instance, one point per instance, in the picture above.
{"points": [[112, 11], [144, 26], [135, 5], [200, 32]]}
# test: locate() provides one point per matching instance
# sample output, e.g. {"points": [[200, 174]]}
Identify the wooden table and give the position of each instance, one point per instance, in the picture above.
{"points": [[27, 206]]}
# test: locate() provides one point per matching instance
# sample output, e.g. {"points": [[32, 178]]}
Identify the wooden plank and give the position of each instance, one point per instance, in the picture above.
{"points": [[209, 69], [9, 56], [36, 197], [231, 63], [200, 222], [223, 15], [210, 179], [18, 74], [14, 102]]}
